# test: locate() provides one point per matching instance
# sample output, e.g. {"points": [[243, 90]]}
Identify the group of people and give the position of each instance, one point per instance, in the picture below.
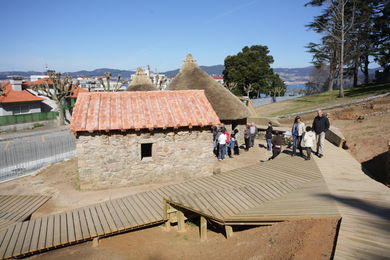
{"points": [[303, 137], [225, 144]]}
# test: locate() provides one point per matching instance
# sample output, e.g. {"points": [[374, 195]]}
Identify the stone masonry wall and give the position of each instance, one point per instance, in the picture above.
{"points": [[115, 160]]}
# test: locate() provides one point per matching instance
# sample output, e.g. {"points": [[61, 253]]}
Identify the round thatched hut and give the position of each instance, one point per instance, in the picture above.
{"points": [[141, 82], [228, 107]]}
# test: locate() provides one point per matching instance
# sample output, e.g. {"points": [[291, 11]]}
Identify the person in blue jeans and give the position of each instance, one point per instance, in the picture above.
{"points": [[297, 131], [268, 136], [222, 146]]}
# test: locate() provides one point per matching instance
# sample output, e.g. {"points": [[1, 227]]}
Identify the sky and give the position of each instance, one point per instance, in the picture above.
{"points": [[71, 35]]}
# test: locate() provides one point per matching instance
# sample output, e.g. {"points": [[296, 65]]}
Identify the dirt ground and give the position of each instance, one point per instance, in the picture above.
{"points": [[368, 138], [304, 239]]}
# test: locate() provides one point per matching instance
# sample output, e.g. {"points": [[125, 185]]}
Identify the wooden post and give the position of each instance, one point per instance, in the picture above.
{"points": [[203, 228], [167, 224], [228, 231], [180, 221]]}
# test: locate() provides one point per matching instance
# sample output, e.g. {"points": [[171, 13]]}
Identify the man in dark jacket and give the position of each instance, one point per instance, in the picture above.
{"points": [[320, 126], [277, 142]]}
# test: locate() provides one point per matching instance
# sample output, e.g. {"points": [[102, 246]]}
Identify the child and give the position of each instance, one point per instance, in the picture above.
{"points": [[277, 142], [309, 138]]}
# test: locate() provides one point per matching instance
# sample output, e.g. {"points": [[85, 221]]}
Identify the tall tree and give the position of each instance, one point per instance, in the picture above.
{"points": [[381, 35], [249, 70], [57, 89], [106, 83]]}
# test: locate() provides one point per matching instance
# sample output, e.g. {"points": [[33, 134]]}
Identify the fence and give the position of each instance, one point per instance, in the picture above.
{"points": [[21, 156], [268, 100], [25, 118]]}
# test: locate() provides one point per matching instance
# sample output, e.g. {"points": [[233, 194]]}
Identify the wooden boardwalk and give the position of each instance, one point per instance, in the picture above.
{"points": [[363, 203], [244, 194], [17, 208]]}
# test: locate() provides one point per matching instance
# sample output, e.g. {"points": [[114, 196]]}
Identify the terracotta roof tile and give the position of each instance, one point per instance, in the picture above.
{"points": [[105, 111], [12, 96]]}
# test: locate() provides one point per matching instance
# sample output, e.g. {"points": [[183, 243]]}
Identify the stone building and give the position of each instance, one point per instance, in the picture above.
{"points": [[230, 110], [132, 138], [141, 82]]}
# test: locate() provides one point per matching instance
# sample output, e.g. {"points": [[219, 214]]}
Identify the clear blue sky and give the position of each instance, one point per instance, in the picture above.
{"points": [[71, 35]]}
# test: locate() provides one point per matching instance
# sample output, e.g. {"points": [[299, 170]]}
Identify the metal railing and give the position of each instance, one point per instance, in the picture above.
{"points": [[21, 156]]}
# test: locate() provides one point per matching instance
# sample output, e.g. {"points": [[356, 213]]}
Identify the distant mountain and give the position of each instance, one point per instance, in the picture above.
{"points": [[286, 74], [215, 70]]}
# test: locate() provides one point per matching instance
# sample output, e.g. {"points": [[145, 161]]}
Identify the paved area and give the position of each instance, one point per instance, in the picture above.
{"points": [[363, 203]]}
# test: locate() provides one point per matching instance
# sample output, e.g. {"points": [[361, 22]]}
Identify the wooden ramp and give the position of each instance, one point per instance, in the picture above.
{"points": [[17, 208], [363, 203], [292, 190], [221, 197]]}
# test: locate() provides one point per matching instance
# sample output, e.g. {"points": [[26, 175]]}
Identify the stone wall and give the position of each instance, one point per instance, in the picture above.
{"points": [[114, 160]]}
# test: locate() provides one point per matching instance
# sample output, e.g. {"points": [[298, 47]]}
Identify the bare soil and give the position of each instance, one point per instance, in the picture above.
{"points": [[304, 239]]}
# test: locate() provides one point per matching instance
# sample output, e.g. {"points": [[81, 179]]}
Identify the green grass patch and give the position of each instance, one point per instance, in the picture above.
{"points": [[332, 98], [371, 126], [76, 183], [185, 237]]}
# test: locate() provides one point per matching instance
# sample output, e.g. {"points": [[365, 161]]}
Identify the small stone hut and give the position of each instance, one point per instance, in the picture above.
{"points": [[230, 110], [132, 138], [141, 82]]}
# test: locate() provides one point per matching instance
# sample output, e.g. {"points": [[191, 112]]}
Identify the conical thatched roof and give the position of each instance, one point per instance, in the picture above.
{"points": [[226, 105], [141, 82]]}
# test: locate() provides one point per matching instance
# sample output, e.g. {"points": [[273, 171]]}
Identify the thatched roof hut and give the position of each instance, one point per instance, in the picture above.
{"points": [[141, 82], [227, 106]]}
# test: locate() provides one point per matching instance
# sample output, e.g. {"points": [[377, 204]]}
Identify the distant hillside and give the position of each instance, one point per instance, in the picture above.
{"points": [[286, 74]]}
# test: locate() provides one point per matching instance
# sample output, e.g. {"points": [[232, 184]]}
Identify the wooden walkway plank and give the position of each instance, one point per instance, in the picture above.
{"points": [[87, 226], [22, 236], [126, 211], [103, 220], [155, 211], [78, 231], [42, 234], [6, 241], [12, 241], [70, 227], [35, 235], [28, 237], [93, 220], [110, 219], [119, 221], [137, 213], [64, 229], [55, 239], [119, 217]]}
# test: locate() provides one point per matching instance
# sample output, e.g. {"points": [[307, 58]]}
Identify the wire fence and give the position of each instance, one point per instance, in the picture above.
{"points": [[20, 156]]}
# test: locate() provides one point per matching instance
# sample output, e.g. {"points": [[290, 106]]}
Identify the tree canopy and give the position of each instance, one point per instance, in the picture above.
{"points": [[249, 72], [354, 34]]}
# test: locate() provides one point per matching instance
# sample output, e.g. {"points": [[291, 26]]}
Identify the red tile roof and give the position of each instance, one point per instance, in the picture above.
{"points": [[12, 96], [77, 90], [104, 111]]}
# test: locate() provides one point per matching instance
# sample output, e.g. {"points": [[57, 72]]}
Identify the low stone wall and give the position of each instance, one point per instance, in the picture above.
{"points": [[115, 160]]}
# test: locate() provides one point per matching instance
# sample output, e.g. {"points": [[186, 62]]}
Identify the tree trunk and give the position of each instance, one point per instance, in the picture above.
{"points": [[366, 76], [61, 119], [341, 93], [356, 72]]}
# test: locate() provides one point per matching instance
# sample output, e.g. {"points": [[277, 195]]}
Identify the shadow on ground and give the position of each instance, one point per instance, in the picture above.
{"points": [[376, 168], [369, 207]]}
